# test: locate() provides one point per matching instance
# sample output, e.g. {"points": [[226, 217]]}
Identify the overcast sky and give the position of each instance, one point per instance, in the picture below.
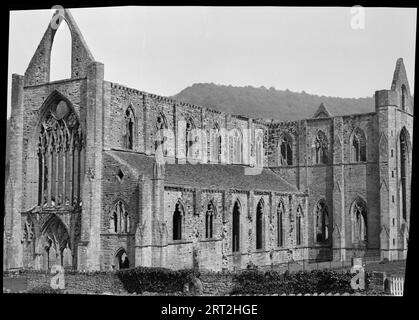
{"points": [[162, 50]]}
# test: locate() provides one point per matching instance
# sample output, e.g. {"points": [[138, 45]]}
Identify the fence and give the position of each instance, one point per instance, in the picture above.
{"points": [[396, 286]]}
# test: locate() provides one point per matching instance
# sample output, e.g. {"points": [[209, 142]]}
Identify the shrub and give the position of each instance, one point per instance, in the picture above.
{"points": [[45, 289], [270, 282], [141, 279]]}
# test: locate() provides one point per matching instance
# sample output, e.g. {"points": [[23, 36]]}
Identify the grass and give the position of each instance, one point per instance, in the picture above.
{"points": [[394, 268]]}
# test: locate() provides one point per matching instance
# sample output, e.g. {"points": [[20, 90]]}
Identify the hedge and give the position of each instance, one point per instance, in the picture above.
{"points": [[45, 289], [162, 280], [271, 282]]}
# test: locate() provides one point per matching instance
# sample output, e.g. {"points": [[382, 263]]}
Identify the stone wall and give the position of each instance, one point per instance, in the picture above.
{"points": [[213, 283], [75, 283]]}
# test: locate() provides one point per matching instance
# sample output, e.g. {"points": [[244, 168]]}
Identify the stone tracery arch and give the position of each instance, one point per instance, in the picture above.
{"points": [[320, 148], [285, 150], [120, 221], [60, 153], [130, 128], [56, 243], [358, 145], [322, 221], [359, 221]]}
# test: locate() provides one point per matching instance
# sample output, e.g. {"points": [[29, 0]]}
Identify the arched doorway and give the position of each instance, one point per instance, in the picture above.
{"points": [[56, 244], [121, 260]]}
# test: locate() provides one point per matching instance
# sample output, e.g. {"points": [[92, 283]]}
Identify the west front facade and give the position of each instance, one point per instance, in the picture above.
{"points": [[103, 177]]}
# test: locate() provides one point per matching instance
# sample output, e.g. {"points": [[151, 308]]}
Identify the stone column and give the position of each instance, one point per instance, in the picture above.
{"points": [[159, 227], [89, 246], [143, 235], [14, 187], [385, 103], [337, 225]]}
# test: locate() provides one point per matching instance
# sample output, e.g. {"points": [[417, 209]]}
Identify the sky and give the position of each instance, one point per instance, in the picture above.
{"points": [[163, 50]]}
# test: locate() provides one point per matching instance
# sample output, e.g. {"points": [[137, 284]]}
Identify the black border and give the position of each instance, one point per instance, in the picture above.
{"points": [[270, 307]]}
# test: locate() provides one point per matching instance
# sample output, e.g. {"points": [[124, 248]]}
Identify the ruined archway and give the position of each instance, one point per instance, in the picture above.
{"points": [[121, 260], [56, 244]]}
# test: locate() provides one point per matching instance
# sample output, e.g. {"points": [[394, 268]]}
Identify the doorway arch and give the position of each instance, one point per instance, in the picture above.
{"points": [[121, 260]]}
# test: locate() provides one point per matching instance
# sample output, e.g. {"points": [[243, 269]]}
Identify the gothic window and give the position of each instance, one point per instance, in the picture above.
{"points": [[322, 221], [192, 140], [358, 146], [129, 128], [236, 146], [209, 220], [236, 227], [126, 222], [60, 157], [177, 222], [259, 148], [161, 139], [119, 218], [404, 97], [285, 146], [359, 221], [215, 144], [321, 148], [259, 225], [403, 169], [298, 223], [114, 222], [56, 243], [280, 224]]}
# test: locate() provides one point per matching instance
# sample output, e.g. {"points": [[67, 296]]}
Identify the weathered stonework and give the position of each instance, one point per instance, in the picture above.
{"points": [[201, 209]]}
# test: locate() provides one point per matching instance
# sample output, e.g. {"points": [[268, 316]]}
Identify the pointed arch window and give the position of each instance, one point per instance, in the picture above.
{"points": [[298, 226], [215, 143], [209, 220], [285, 148], [359, 221], [177, 221], [192, 140], [321, 146], [236, 227], [358, 146], [236, 146], [161, 139], [259, 225], [259, 148], [60, 157], [129, 128], [119, 220], [322, 221], [280, 223]]}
